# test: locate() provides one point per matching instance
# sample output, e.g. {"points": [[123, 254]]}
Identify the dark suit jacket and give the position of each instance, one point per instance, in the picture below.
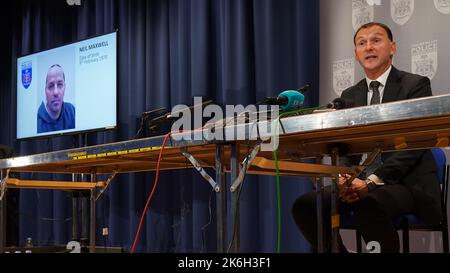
{"points": [[416, 169]]}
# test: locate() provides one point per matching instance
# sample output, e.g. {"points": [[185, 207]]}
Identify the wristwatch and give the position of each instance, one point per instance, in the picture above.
{"points": [[370, 184]]}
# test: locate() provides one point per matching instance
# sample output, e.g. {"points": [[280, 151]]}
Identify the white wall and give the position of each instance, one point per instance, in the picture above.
{"points": [[421, 29]]}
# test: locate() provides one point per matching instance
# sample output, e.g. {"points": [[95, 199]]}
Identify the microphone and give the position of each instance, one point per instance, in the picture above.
{"points": [[340, 103], [173, 114], [304, 88], [287, 100], [144, 114]]}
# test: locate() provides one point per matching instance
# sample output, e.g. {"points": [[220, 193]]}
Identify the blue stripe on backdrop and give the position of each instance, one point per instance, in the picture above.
{"points": [[236, 52]]}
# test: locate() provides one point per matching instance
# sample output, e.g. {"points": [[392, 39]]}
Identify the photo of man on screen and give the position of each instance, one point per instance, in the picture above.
{"points": [[55, 114]]}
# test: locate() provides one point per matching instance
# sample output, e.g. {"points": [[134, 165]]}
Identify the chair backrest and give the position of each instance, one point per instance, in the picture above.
{"points": [[443, 172]]}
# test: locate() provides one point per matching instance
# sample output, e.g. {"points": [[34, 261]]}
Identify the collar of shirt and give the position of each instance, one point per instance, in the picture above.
{"points": [[382, 79]]}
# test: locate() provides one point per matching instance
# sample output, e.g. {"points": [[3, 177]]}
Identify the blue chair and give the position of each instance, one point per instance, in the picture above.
{"points": [[410, 221]]}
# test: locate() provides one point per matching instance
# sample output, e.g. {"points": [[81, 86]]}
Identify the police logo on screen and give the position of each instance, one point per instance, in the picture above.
{"points": [[343, 75], [442, 6], [424, 59], [401, 10], [26, 74], [362, 13]]}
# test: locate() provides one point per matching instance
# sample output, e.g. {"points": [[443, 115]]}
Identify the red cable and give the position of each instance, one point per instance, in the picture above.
{"points": [[151, 194], [154, 185]]}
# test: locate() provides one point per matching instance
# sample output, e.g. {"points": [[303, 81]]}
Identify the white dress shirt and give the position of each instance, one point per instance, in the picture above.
{"points": [[382, 79]]}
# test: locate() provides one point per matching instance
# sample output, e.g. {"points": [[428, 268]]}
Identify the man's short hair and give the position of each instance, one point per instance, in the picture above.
{"points": [[371, 24], [55, 65]]}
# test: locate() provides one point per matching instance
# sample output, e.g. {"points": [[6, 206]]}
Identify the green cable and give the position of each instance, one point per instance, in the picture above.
{"points": [[277, 171]]}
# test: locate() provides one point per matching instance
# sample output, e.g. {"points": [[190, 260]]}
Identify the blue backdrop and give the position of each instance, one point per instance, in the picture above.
{"points": [[236, 52]]}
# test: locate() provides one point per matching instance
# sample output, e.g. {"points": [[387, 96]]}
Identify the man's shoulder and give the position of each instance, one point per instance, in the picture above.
{"points": [[69, 110], [68, 107], [354, 88], [42, 112], [68, 117], [41, 106], [407, 76]]}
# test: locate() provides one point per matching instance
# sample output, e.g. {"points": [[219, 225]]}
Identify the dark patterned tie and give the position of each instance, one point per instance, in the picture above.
{"points": [[375, 100], [376, 93]]}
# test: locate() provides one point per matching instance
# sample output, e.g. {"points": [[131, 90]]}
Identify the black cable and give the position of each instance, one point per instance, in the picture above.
{"points": [[233, 237], [183, 213], [105, 237], [282, 127], [207, 224], [141, 127]]}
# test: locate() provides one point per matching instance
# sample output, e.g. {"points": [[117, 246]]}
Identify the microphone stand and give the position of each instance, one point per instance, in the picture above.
{"points": [[144, 117]]}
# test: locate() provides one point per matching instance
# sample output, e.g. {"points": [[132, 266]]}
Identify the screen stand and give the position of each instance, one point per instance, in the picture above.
{"points": [[80, 223]]}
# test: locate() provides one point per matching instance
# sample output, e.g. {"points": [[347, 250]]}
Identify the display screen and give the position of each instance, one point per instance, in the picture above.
{"points": [[68, 89]]}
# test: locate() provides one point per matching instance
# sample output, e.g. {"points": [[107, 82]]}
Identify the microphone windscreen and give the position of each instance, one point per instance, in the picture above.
{"points": [[342, 103], [271, 100], [294, 99]]}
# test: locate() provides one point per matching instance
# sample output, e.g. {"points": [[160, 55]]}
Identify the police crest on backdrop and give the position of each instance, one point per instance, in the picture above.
{"points": [[362, 13], [442, 6], [424, 59], [401, 10], [27, 74], [343, 75]]}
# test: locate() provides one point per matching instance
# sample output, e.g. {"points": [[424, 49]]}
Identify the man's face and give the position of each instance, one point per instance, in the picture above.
{"points": [[373, 50], [55, 88]]}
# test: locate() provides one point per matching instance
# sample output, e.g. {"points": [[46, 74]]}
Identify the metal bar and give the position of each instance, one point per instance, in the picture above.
{"points": [[84, 217], [299, 168], [2, 216], [245, 165], [75, 235], [108, 181], [15, 183], [92, 216], [358, 242], [335, 221], [200, 169], [352, 117], [319, 210], [234, 166], [408, 110], [221, 202]]}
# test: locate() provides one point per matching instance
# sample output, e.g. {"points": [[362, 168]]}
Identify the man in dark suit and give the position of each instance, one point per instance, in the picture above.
{"points": [[403, 182]]}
